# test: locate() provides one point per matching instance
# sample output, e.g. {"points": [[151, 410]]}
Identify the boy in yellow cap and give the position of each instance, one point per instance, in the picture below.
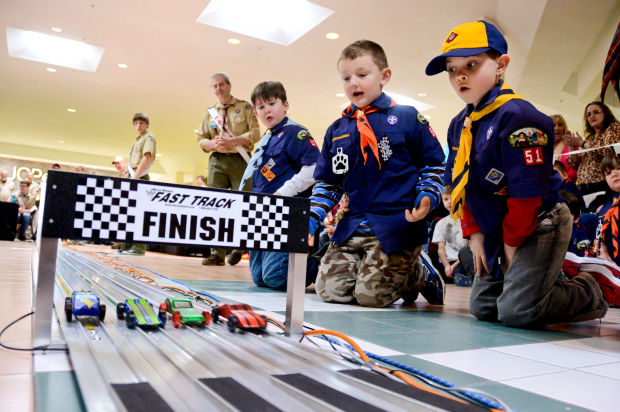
{"points": [[500, 165]]}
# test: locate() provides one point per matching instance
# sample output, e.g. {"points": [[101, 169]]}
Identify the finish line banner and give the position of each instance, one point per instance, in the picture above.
{"points": [[79, 206]]}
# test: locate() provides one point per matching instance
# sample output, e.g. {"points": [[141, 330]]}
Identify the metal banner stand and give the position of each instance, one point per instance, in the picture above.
{"points": [[295, 291], [103, 208]]}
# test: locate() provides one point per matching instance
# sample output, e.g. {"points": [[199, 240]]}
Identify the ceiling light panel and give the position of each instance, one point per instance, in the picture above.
{"points": [[39, 47], [277, 21]]}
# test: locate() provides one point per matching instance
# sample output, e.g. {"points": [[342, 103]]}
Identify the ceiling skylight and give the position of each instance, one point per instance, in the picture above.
{"points": [[30, 45], [277, 21]]}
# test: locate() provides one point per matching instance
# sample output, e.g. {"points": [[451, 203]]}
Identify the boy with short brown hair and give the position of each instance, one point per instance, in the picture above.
{"points": [[141, 159], [386, 161], [500, 166]]}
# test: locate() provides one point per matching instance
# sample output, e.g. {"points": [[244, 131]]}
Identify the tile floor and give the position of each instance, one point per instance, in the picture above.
{"points": [[563, 367]]}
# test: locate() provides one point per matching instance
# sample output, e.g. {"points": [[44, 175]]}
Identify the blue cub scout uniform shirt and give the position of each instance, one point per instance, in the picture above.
{"points": [[380, 196], [290, 147], [511, 156]]}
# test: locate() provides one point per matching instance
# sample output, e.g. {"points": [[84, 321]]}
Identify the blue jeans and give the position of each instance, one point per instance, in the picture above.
{"points": [[533, 291], [270, 269], [24, 221]]}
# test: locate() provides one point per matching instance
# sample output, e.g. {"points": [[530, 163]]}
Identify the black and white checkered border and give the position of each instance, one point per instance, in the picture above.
{"points": [[104, 208], [264, 223]]}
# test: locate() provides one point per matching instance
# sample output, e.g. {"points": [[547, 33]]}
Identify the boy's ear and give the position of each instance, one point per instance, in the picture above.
{"points": [[502, 64], [286, 106], [386, 75]]}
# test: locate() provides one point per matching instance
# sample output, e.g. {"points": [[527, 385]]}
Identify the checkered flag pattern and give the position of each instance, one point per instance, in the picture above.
{"points": [[264, 223], [104, 207]]}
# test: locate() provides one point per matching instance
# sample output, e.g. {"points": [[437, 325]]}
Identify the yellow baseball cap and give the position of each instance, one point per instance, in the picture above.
{"points": [[466, 40]]}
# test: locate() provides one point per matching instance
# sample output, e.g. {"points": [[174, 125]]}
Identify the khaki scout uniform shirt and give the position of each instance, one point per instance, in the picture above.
{"points": [[239, 119], [33, 189], [6, 188], [25, 201], [145, 143]]}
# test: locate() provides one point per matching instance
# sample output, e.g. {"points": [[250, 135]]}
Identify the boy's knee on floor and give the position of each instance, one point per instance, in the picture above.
{"points": [[275, 282], [332, 293], [371, 301], [480, 313], [511, 316]]}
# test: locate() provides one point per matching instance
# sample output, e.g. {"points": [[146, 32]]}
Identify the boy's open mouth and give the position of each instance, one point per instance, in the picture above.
{"points": [[357, 94]]}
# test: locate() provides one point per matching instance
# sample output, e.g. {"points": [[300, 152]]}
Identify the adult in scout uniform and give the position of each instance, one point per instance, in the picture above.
{"points": [[228, 132], [26, 201], [7, 186]]}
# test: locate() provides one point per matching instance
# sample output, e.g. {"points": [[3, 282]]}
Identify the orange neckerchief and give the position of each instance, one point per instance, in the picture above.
{"points": [[367, 136]]}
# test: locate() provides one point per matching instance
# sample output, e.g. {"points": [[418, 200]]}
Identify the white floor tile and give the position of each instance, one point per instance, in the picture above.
{"points": [[576, 387], [52, 362], [595, 344], [609, 370], [490, 364], [563, 356]]}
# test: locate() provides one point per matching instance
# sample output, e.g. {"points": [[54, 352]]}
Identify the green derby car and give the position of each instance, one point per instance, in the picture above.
{"points": [[183, 311], [140, 312]]}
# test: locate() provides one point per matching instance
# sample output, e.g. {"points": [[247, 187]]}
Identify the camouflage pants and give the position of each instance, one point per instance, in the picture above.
{"points": [[360, 270]]}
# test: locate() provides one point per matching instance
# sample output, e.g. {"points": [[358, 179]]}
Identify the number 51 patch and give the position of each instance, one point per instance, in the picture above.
{"points": [[533, 156]]}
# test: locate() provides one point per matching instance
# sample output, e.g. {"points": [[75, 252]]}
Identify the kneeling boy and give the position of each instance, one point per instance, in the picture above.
{"points": [[385, 159], [282, 164], [505, 191]]}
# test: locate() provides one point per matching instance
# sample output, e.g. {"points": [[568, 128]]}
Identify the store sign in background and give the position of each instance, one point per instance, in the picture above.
{"points": [[17, 169]]}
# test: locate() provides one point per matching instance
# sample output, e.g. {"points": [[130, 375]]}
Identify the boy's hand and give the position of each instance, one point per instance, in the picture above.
{"points": [[420, 212], [476, 244], [453, 268], [310, 240], [447, 270], [509, 253], [328, 222]]}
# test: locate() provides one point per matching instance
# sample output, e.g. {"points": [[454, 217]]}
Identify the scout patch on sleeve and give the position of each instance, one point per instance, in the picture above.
{"points": [[340, 162], [421, 119], [430, 129], [533, 156], [494, 176], [528, 137], [312, 142], [303, 134]]}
